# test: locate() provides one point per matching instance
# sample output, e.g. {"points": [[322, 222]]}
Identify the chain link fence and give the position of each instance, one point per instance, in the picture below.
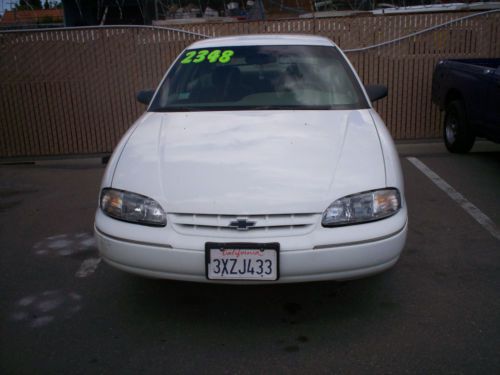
{"points": [[69, 92]]}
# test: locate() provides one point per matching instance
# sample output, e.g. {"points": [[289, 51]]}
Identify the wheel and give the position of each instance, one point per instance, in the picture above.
{"points": [[458, 135]]}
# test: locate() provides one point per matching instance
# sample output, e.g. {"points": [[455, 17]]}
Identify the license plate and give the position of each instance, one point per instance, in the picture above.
{"points": [[242, 261]]}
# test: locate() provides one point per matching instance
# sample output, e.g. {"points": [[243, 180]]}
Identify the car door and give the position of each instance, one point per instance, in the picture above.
{"points": [[492, 113]]}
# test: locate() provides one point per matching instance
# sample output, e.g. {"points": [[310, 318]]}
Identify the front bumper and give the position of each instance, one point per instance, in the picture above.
{"points": [[330, 261]]}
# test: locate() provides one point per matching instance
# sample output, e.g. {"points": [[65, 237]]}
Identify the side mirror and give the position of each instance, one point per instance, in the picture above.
{"points": [[376, 92], [145, 96]]}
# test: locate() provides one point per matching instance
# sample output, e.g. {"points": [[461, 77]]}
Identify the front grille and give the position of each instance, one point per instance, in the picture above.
{"points": [[265, 225]]}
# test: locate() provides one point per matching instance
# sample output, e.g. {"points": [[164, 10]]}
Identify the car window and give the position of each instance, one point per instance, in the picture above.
{"points": [[259, 77]]}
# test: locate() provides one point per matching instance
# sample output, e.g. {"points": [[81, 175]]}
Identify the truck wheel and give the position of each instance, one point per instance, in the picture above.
{"points": [[457, 133]]}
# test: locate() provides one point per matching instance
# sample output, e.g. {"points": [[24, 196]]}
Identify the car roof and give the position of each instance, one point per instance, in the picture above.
{"points": [[263, 40]]}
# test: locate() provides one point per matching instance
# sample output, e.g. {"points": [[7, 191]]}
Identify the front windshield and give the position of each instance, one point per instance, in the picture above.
{"points": [[257, 78]]}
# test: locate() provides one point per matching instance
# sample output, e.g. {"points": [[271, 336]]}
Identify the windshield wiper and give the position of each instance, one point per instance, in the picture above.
{"points": [[272, 107], [184, 108], [289, 107], [239, 108]]}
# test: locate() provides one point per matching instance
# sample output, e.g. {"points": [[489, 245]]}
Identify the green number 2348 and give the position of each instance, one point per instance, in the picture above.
{"points": [[214, 56]]}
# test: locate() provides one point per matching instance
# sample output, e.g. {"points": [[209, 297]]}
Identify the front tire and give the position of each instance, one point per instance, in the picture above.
{"points": [[458, 135]]}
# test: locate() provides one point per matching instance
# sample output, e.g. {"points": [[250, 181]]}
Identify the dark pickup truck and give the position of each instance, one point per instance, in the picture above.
{"points": [[468, 91]]}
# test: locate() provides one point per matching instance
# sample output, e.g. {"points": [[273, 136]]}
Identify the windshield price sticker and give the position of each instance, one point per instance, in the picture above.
{"points": [[242, 264], [213, 56]]}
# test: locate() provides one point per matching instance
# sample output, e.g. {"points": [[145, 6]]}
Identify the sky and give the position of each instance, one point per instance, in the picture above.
{"points": [[6, 5]]}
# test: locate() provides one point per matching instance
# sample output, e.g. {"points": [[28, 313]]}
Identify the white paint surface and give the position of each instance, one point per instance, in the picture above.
{"points": [[41, 321], [470, 208], [58, 244], [49, 305], [39, 310], [66, 244], [26, 301], [88, 267]]}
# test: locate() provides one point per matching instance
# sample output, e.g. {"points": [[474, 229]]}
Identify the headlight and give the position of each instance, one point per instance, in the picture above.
{"points": [[131, 207], [362, 207]]}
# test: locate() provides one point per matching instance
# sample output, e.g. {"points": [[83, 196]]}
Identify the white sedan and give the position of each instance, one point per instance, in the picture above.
{"points": [[260, 159]]}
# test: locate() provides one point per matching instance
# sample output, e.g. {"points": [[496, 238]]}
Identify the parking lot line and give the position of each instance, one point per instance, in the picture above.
{"points": [[470, 208]]}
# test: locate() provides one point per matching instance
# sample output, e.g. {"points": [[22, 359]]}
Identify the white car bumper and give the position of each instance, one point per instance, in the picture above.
{"points": [[312, 257]]}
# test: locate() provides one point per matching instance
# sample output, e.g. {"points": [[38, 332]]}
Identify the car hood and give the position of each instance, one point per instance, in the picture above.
{"points": [[251, 162]]}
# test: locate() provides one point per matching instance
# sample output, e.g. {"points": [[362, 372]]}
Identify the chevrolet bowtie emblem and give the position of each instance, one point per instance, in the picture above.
{"points": [[241, 224]]}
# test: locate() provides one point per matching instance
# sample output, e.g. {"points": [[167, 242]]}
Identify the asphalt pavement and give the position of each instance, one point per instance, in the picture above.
{"points": [[63, 311]]}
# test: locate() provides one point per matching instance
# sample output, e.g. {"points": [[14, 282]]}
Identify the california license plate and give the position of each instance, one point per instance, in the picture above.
{"points": [[242, 261]]}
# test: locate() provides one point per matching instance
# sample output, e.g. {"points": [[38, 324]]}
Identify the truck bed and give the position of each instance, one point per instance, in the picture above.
{"points": [[483, 63]]}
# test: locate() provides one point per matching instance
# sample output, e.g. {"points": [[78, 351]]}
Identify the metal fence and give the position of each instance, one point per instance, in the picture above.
{"points": [[72, 91]]}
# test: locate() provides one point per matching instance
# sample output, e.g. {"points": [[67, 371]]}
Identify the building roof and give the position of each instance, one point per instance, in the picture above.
{"points": [[14, 17]]}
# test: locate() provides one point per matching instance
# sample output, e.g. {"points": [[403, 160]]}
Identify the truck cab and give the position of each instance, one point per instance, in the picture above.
{"points": [[468, 90]]}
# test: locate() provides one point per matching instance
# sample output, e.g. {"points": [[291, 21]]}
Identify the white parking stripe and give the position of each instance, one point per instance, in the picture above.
{"points": [[88, 267], [471, 209]]}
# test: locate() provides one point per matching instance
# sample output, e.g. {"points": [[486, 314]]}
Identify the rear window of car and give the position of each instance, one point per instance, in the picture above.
{"points": [[259, 78]]}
